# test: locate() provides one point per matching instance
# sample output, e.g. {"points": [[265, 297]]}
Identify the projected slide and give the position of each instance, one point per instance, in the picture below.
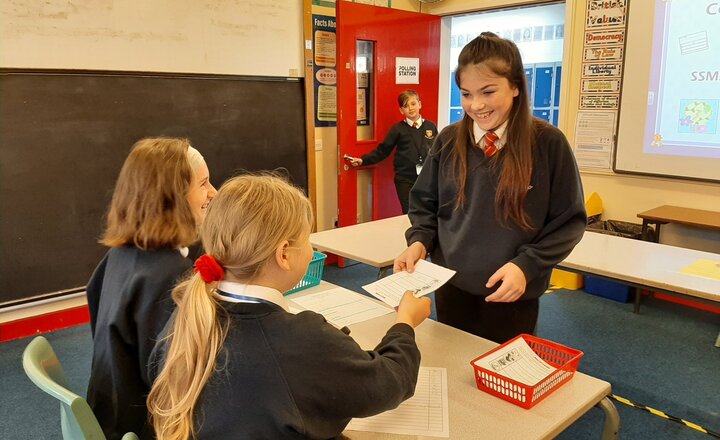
{"points": [[684, 98]]}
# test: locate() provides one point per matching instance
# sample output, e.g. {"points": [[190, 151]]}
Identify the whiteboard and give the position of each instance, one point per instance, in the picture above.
{"points": [[237, 37], [670, 116]]}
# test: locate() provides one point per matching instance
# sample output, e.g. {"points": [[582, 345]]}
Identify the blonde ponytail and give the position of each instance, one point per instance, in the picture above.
{"points": [[247, 219], [192, 348]]}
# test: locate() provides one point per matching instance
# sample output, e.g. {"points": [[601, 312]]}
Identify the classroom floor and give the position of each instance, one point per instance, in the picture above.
{"points": [[663, 358]]}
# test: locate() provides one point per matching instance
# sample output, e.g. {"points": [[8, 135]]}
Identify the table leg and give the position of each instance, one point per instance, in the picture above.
{"points": [[643, 234], [611, 427], [657, 232], [637, 300], [384, 271]]}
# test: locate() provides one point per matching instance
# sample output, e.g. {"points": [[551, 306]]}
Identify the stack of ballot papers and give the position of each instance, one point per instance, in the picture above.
{"points": [[517, 361]]}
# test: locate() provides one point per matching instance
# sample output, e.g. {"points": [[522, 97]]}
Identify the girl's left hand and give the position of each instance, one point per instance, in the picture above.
{"points": [[512, 286]]}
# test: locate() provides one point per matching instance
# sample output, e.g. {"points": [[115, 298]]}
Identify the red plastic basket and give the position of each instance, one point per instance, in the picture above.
{"points": [[564, 359]]}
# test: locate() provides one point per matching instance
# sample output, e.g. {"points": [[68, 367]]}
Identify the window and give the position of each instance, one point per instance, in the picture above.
{"points": [[538, 32]]}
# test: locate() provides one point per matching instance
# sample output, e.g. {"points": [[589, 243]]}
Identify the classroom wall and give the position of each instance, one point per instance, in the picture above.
{"points": [[204, 36], [623, 195]]}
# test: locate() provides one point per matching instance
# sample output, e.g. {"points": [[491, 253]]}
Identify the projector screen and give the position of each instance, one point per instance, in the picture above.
{"points": [[670, 104]]}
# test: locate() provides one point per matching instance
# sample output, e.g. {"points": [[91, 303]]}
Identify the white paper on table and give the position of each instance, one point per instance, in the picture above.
{"points": [[517, 361], [341, 306], [425, 413], [425, 279]]}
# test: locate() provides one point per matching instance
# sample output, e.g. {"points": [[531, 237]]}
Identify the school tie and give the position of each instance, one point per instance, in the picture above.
{"points": [[416, 124], [490, 148]]}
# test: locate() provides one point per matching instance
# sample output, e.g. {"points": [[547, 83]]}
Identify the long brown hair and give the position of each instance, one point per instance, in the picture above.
{"points": [[245, 222], [149, 208], [514, 161]]}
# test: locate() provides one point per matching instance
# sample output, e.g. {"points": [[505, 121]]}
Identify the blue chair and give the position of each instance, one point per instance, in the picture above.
{"points": [[76, 417]]}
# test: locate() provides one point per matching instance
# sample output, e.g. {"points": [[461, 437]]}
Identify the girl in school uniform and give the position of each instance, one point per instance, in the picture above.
{"points": [[235, 363], [499, 199], [160, 198], [413, 137]]}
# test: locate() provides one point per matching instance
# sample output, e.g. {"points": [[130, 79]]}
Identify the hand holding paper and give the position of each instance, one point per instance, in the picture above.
{"points": [[425, 279]]}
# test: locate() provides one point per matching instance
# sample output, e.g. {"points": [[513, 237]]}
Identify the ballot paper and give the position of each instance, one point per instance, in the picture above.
{"points": [[342, 307], [517, 361], [425, 279], [424, 414]]}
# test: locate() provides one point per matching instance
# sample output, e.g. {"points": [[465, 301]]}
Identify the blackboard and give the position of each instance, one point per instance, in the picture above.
{"points": [[65, 134]]}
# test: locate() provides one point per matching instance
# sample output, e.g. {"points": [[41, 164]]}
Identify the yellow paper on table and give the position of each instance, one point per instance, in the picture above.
{"points": [[703, 268]]}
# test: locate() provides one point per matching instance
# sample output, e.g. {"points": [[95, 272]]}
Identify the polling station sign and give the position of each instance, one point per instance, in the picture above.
{"points": [[407, 70]]}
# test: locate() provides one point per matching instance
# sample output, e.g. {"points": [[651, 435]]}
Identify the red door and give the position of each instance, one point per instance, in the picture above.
{"points": [[390, 33]]}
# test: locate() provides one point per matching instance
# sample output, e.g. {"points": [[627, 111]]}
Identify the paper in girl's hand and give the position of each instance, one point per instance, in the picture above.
{"points": [[425, 279]]}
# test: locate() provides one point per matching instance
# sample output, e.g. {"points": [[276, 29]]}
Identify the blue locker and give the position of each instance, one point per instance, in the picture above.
{"points": [[543, 91], [558, 75], [456, 114], [529, 77], [454, 92], [542, 114], [556, 117]]}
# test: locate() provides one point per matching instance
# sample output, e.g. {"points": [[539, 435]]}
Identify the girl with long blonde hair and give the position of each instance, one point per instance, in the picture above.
{"points": [[235, 363]]}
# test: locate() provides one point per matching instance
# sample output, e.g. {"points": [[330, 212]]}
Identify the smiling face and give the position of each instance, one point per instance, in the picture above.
{"points": [[411, 109], [201, 192], [486, 97]]}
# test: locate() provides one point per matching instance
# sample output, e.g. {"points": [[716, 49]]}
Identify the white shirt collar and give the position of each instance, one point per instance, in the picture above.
{"points": [[252, 291], [410, 122], [478, 133]]}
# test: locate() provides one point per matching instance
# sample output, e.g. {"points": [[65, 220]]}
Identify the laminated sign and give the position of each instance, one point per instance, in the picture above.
{"points": [[407, 70]]}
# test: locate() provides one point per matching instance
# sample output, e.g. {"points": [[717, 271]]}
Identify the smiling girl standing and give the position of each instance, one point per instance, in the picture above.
{"points": [[499, 200], [160, 199]]}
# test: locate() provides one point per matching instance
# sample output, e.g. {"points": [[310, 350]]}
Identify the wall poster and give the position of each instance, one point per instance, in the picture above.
{"points": [[324, 70]]}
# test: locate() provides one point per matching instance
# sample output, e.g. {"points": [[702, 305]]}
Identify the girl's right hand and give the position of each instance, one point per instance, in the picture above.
{"points": [[413, 311], [406, 261], [355, 161]]}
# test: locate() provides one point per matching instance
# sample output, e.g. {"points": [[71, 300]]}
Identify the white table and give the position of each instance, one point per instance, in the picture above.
{"points": [[644, 265], [375, 243], [475, 414], [637, 263]]}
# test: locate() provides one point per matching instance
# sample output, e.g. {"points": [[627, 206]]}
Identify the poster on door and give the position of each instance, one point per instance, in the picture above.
{"points": [[324, 70], [407, 70]]}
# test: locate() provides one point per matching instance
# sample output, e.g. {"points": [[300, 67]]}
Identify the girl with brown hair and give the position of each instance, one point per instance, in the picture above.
{"points": [[160, 198], [235, 363], [499, 200]]}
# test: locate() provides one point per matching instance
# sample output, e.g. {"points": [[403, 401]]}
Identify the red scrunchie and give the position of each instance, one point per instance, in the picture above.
{"points": [[209, 269]]}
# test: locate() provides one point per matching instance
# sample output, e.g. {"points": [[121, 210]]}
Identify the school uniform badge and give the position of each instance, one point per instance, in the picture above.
{"points": [[428, 134]]}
